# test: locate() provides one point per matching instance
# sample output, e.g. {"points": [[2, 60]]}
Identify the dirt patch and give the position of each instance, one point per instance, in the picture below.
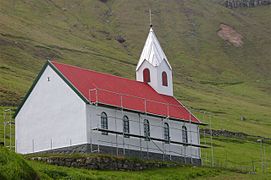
{"points": [[120, 39], [104, 1], [45, 53], [229, 34], [4, 42]]}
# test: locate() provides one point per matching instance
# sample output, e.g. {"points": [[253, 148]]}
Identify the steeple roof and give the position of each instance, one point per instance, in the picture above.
{"points": [[152, 51]]}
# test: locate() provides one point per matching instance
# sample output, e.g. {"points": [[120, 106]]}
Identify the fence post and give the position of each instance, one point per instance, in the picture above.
{"points": [[4, 128], [117, 149]]}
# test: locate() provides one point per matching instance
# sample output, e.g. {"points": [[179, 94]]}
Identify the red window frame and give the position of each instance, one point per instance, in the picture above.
{"points": [[164, 79], [146, 75]]}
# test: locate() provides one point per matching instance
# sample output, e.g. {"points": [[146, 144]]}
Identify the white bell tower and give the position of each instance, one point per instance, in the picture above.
{"points": [[153, 67]]}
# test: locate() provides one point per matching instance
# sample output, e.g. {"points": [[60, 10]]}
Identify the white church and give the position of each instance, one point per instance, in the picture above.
{"points": [[74, 110]]}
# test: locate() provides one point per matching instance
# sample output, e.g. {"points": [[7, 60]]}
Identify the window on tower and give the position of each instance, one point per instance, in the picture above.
{"points": [[164, 79], [146, 75]]}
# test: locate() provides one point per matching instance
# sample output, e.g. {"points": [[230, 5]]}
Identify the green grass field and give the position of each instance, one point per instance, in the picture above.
{"points": [[14, 166], [243, 154], [49, 171]]}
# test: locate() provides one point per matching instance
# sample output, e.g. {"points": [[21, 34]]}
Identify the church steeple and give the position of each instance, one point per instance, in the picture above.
{"points": [[153, 66], [152, 51]]}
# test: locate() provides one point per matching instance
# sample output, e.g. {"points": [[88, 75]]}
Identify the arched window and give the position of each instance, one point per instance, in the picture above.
{"points": [[104, 123], [146, 129], [166, 132], [126, 128], [146, 75], [184, 134], [164, 79]]}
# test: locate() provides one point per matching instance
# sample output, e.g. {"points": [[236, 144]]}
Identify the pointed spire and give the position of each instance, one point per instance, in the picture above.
{"points": [[150, 18], [152, 51]]}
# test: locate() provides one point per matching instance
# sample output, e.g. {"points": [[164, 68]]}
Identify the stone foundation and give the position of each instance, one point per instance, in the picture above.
{"points": [[103, 162], [86, 148]]}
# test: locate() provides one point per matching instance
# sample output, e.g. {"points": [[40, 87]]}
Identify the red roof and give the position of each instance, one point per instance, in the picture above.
{"points": [[122, 92]]}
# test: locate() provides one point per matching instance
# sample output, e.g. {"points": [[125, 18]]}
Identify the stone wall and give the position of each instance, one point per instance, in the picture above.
{"points": [[119, 152], [103, 162], [245, 3], [236, 135], [222, 132]]}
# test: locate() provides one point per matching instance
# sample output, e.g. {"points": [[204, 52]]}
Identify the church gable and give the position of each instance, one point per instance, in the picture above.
{"points": [[48, 65], [54, 109]]}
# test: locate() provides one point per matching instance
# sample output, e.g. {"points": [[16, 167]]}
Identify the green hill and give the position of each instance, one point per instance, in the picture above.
{"points": [[210, 74], [13, 166]]}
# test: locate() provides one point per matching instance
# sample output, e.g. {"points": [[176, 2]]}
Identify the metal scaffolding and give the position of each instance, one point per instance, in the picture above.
{"points": [[153, 143], [8, 130]]}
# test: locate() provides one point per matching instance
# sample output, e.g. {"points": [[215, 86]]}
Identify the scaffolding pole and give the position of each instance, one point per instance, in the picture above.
{"points": [[140, 140], [162, 149], [212, 148], [8, 122], [117, 150]]}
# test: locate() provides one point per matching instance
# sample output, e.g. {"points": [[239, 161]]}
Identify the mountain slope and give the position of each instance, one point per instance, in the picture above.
{"points": [[210, 73]]}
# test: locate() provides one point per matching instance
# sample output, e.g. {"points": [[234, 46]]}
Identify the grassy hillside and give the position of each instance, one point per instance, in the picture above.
{"points": [[210, 74], [238, 153], [13, 166], [56, 172]]}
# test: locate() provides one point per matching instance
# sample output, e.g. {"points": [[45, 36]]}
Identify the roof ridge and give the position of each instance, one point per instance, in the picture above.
{"points": [[85, 69]]}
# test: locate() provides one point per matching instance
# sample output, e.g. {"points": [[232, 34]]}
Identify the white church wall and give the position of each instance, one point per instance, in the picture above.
{"points": [[53, 116], [115, 123]]}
